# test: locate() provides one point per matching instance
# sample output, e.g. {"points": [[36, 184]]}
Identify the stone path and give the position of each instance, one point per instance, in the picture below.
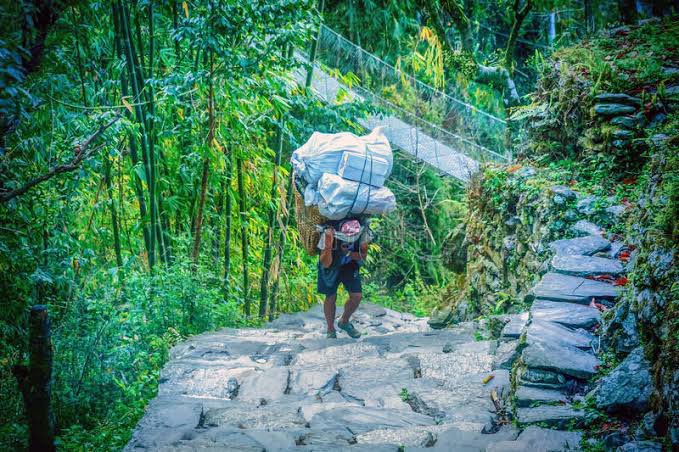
{"points": [[401, 385], [286, 387], [555, 357]]}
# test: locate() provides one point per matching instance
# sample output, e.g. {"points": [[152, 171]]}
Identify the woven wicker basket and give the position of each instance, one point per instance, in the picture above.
{"points": [[307, 219]]}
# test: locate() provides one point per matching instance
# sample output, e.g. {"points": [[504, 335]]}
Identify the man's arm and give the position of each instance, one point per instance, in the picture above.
{"points": [[326, 252], [357, 256]]}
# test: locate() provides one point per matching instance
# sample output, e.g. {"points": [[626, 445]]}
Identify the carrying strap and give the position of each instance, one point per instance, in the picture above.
{"points": [[360, 180]]}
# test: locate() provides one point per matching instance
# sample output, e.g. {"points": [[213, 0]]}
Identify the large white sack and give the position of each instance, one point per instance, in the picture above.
{"points": [[368, 169], [323, 152], [337, 196]]}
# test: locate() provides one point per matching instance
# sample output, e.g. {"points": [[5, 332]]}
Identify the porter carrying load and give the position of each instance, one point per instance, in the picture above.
{"points": [[338, 176]]}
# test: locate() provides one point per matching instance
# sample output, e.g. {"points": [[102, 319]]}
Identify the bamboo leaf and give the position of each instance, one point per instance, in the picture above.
{"points": [[127, 105]]}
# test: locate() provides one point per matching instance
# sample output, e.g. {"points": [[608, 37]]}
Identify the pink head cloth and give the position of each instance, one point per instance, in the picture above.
{"points": [[351, 227]]}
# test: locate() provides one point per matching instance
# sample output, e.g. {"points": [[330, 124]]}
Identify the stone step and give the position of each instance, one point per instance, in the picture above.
{"points": [[554, 334], [571, 315], [559, 416], [562, 359], [506, 354], [543, 379], [586, 265], [515, 327], [584, 246], [574, 289], [584, 227], [458, 440], [537, 439], [527, 396]]}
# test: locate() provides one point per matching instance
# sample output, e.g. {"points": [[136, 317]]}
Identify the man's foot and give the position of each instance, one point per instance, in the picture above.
{"points": [[349, 328], [331, 334]]}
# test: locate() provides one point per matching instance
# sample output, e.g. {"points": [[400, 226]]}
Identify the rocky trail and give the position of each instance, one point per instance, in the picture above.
{"points": [[403, 385]]}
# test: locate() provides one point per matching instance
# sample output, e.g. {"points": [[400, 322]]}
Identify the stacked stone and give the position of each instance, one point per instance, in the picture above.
{"points": [[557, 344], [622, 112]]}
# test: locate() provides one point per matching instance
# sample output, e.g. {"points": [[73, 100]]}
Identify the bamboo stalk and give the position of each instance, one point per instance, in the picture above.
{"points": [[243, 235], [266, 264], [227, 224], [134, 155], [282, 235]]}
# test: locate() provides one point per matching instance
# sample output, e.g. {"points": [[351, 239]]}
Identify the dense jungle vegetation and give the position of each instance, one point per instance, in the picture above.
{"points": [[144, 180]]}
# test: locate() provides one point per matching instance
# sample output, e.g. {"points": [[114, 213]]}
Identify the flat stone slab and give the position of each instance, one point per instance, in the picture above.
{"points": [[539, 378], [559, 416], [552, 333], [506, 354], [268, 385], [562, 359], [585, 246], [360, 419], [559, 287], [571, 315], [537, 439], [455, 439], [640, 446], [586, 265], [527, 396], [514, 328], [584, 227]]}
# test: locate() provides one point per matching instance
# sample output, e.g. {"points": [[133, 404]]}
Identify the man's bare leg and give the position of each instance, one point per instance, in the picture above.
{"points": [[329, 309], [350, 306]]}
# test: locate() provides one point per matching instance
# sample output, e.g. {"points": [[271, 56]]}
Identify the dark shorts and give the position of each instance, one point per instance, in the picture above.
{"points": [[329, 279]]}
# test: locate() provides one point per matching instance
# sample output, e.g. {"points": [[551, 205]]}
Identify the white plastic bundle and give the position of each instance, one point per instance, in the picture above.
{"points": [[324, 152], [338, 198], [364, 168]]}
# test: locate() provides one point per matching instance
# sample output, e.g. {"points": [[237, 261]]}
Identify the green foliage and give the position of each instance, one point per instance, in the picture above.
{"points": [[414, 241], [404, 394]]}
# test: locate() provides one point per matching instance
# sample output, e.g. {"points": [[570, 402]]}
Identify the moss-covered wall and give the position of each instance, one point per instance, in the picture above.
{"points": [[602, 130]]}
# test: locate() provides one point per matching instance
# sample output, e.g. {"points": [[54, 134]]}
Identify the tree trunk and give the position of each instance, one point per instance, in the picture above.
{"points": [[114, 216], [136, 81], [520, 14], [628, 11], [314, 48], [35, 382], [81, 72], [266, 264], [121, 48], [206, 161], [199, 215], [227, 224], [590, 15], [282, 235], [242, 204], [454, 13], [214, 223]]}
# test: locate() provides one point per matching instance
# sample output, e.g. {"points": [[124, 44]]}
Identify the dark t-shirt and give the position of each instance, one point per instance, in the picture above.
{"points": [[342, 270]]}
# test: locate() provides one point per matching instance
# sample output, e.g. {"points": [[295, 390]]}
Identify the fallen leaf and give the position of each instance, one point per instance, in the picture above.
{"points": [[488, 378], [622, 281], [598, 306]]}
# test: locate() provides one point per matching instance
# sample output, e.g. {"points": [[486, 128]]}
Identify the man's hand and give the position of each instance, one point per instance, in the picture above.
{"points": [[326, 252], [360, 255]]}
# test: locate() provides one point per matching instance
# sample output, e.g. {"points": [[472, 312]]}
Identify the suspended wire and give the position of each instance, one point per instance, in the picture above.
{"points": [[536, 45], [412, 133], [416, 81]]}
